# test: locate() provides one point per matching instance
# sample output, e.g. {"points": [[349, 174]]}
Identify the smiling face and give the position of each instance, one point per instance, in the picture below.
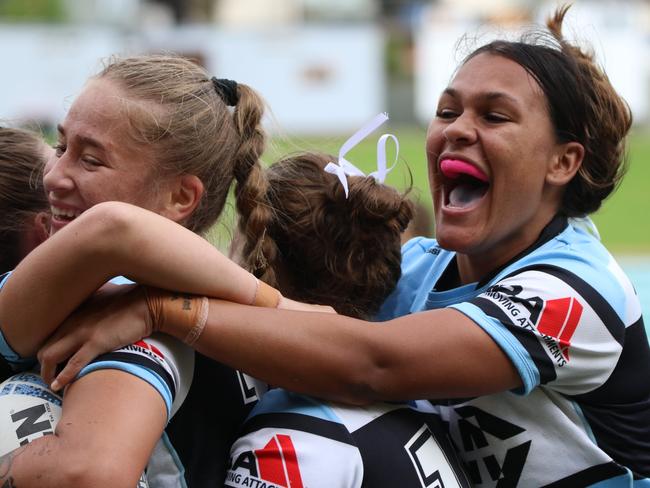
{"points": [[490, 149], [96, 160]]}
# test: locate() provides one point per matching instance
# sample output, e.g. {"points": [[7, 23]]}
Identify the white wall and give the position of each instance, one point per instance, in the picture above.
{"points": [[317, 79], [615, 30]]}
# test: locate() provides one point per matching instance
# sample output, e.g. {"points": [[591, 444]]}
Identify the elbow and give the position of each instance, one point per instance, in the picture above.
{"points": [[371, 382], [104, 227], [54, 462], [98, 473]]}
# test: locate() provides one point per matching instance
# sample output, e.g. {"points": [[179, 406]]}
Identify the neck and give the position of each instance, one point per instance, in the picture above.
{"points": [[478, 265]]}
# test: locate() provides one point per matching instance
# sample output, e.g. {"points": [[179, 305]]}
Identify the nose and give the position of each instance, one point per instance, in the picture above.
{"points": [[56, 177], [461, 130]]}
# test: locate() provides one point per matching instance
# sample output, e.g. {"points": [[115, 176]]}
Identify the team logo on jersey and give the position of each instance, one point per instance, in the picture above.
{"points": [[435, 250], [273, 466], [478, 429], [148, 349], [559, 319], [555, 320], [430, 461]]}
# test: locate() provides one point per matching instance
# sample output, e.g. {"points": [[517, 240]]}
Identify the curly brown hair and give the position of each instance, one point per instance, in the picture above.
{"points": [[319, 246], [583, 105]]}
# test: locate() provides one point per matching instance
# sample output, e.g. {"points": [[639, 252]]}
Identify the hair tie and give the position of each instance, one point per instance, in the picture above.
{"points": [[227, 90]]}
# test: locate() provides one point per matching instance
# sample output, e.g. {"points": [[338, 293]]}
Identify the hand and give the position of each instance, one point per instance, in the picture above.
{"points": [[289, 304], [114, 317]]}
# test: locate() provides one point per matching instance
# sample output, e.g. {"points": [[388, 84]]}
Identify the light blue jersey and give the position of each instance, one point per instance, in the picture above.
{"points": [[570, 322]]}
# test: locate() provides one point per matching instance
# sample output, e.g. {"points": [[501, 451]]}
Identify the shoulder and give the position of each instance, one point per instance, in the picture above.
{"points": [[163, 362], [422, 263], [577, 264]]}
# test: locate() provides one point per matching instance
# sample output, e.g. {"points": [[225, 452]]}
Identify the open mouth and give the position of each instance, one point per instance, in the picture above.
{"points": [[464, 184], [64, 215]]}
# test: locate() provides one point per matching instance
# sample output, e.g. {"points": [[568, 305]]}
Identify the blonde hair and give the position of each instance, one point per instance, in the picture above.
{"points": [[193, 131]]}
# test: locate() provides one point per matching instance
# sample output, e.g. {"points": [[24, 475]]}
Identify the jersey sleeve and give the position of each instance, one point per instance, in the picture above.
{"points": [[290, 447], [162, 361], [557, 328], [10, 360]]}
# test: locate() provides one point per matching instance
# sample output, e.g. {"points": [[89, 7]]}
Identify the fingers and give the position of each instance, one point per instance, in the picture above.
{"points": [[74, 366], [55, 352]]}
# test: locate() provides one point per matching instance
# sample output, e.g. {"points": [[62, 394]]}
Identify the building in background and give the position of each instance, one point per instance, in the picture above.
{"points": [[324, 66]]}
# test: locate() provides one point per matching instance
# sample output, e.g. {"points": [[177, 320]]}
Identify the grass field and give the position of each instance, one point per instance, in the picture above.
{"points": [[623, 221]]}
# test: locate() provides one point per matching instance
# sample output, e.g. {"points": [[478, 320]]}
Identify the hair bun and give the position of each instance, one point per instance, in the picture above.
{"points": [[334, 250], [378, 203]]}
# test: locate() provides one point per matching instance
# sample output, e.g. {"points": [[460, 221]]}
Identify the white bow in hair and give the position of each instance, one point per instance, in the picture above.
{"points": [[345, 168]]}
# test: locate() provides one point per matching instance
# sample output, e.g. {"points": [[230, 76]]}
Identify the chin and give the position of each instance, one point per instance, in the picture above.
{"points": [[455, 240], [452, 233]]}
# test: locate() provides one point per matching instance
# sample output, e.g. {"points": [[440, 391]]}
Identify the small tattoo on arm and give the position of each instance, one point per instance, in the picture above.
{"points": [[9, 483], [6, 462], [5, 470]]}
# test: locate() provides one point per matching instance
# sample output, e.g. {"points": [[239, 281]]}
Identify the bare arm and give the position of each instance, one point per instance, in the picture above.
{"points": [[434, 354], [93, 444], [108, 240]]}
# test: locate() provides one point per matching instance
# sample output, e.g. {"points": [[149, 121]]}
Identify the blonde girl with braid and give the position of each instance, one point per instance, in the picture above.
{"points": [[156, 132]]}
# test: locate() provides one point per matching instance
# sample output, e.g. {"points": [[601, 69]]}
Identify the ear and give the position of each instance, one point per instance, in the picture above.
{"points": [[566, 164], [184, 195], [34, 234]]}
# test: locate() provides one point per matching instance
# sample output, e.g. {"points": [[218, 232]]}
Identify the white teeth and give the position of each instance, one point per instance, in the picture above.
{"points": [[64, 213]]}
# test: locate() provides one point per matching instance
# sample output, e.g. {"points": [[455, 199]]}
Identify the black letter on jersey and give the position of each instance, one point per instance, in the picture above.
{"points": [[246, 460], [513, 464]]}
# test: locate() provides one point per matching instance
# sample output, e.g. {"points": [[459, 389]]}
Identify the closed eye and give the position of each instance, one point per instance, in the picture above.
{"points": [[496, 117], [446, 113], [91, 161]]}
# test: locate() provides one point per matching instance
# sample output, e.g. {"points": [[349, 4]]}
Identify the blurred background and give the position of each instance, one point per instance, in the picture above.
{"points": [[325, 67]]}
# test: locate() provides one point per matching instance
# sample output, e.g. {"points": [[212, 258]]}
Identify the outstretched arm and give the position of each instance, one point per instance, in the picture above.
{"points": [[108, 240], [433, 354]]}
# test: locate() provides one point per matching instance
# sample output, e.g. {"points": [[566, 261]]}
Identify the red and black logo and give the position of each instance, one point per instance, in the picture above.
{"points": [[275, 465], [559, 319], [555, 319], [147, 348]]}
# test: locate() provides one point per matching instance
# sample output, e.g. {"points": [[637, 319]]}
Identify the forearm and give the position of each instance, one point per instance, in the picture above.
{"points": [[100, 441], [438, 354], [153, 250], [108, 240], [43, 463]]}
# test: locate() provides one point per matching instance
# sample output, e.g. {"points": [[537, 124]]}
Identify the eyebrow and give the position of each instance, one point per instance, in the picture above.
{"points": [[88, 141], [489, 96]]}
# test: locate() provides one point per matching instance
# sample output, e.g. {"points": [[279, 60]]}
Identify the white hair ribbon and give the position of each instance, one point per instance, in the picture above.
{"points": [[345, 168]]}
